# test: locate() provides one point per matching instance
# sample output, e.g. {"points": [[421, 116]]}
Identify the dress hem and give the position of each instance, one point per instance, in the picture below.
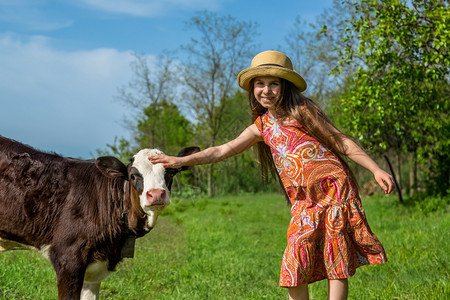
{"points": [[331, 278]]}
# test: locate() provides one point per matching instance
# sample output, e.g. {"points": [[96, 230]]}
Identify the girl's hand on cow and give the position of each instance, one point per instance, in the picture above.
{"points": [[384, 180], [167, 161]]}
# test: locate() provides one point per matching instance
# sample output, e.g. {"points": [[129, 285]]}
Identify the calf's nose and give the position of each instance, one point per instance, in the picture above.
{"points": [[156, 197]]}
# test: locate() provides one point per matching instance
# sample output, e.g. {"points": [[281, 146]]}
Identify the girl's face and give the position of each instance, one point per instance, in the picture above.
{"points": [[267, 91]]}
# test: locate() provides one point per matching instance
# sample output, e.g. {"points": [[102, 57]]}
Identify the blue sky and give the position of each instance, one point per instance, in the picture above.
{"points": [[62, 62]]}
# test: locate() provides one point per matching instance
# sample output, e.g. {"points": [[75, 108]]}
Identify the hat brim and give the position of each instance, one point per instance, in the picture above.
{"points": [[245, 76]]}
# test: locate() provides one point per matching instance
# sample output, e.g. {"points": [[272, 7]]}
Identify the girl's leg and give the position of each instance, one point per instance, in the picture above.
{"points": [[337, 289], [299, 292]]}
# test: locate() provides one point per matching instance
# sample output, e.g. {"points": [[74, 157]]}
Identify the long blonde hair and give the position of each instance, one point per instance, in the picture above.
{"points": [[294, 104]]}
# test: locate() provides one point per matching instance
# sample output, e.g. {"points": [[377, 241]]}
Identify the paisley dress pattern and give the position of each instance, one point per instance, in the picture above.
{"points": [[328, 235]]}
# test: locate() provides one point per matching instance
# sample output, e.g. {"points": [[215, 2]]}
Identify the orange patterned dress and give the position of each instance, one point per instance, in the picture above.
{"points": [[328, 235]]}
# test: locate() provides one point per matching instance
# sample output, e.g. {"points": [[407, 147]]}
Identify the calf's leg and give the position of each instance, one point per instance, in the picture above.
{"points": [[70, 266], [90, 291], [70, 282], [93, 277]]}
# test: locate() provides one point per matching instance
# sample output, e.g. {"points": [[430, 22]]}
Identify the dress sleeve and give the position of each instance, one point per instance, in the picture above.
{"points": [[259, 124]]}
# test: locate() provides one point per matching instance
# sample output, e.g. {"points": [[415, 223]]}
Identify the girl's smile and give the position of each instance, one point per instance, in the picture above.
{"points": [[267, 91]]}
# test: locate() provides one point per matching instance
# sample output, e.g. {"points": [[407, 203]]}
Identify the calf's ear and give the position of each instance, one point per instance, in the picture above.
{"points": [[111, 167], [188, 151], [170, 172], [185, 152]]}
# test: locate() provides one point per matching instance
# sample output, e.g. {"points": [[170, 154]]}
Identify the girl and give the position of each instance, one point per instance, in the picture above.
{"points": [[328, 236]]}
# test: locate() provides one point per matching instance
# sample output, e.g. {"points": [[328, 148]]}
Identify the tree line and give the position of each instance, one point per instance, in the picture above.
{"points": [[380, 69]]}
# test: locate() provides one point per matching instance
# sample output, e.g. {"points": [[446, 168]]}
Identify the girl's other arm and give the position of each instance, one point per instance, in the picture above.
{"points": [[245, 140], [355, 153]]}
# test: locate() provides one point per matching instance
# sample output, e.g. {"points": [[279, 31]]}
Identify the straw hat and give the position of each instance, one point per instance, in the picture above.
{"points": [[271, 63]]}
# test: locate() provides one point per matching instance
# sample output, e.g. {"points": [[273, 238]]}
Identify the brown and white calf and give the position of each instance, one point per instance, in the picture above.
{"points": [[82, 215]]}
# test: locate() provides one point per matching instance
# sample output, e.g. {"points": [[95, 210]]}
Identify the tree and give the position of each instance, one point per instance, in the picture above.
{"points": [[311, 47], [209, 74], [152, 84], [239, 173], [163, 127], [398, 97], [121, 149]]}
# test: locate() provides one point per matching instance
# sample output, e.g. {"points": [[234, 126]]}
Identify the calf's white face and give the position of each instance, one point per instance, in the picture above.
{"points": [[149, 180]]}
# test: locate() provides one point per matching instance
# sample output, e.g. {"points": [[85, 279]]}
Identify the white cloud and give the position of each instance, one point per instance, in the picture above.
{"points": [[149, 8], [58, 100]]}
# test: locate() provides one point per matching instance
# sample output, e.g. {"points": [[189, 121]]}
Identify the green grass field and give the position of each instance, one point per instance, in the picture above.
{"points": [[231, 248]]}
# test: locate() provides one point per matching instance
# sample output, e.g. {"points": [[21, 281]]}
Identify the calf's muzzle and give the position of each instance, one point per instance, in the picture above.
{"points": [[157, 197]]}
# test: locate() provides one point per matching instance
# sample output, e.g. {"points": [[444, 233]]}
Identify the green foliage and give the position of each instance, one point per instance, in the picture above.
{"points": [[311, 47], [391, 92], [210, 70], [398, 98], [424, 204], [231, 248], [162, 126], [238, 174], [121, 149]]}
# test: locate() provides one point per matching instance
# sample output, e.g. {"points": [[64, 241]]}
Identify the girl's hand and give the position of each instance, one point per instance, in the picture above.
{"points": [[167, 161], [384, 180]]}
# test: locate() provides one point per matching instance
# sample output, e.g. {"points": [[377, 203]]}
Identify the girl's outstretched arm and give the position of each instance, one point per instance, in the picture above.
{"points": [[355, 153], [245, 140]]}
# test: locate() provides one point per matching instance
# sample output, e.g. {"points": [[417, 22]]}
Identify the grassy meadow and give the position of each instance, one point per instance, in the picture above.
{"points": [[231, 248]]}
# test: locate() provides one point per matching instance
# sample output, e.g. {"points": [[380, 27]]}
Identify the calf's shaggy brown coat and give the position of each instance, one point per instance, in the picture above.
{"points": [[79, 214]]}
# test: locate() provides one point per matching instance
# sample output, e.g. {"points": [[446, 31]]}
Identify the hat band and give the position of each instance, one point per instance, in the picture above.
{"points": [[275, 65]]}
